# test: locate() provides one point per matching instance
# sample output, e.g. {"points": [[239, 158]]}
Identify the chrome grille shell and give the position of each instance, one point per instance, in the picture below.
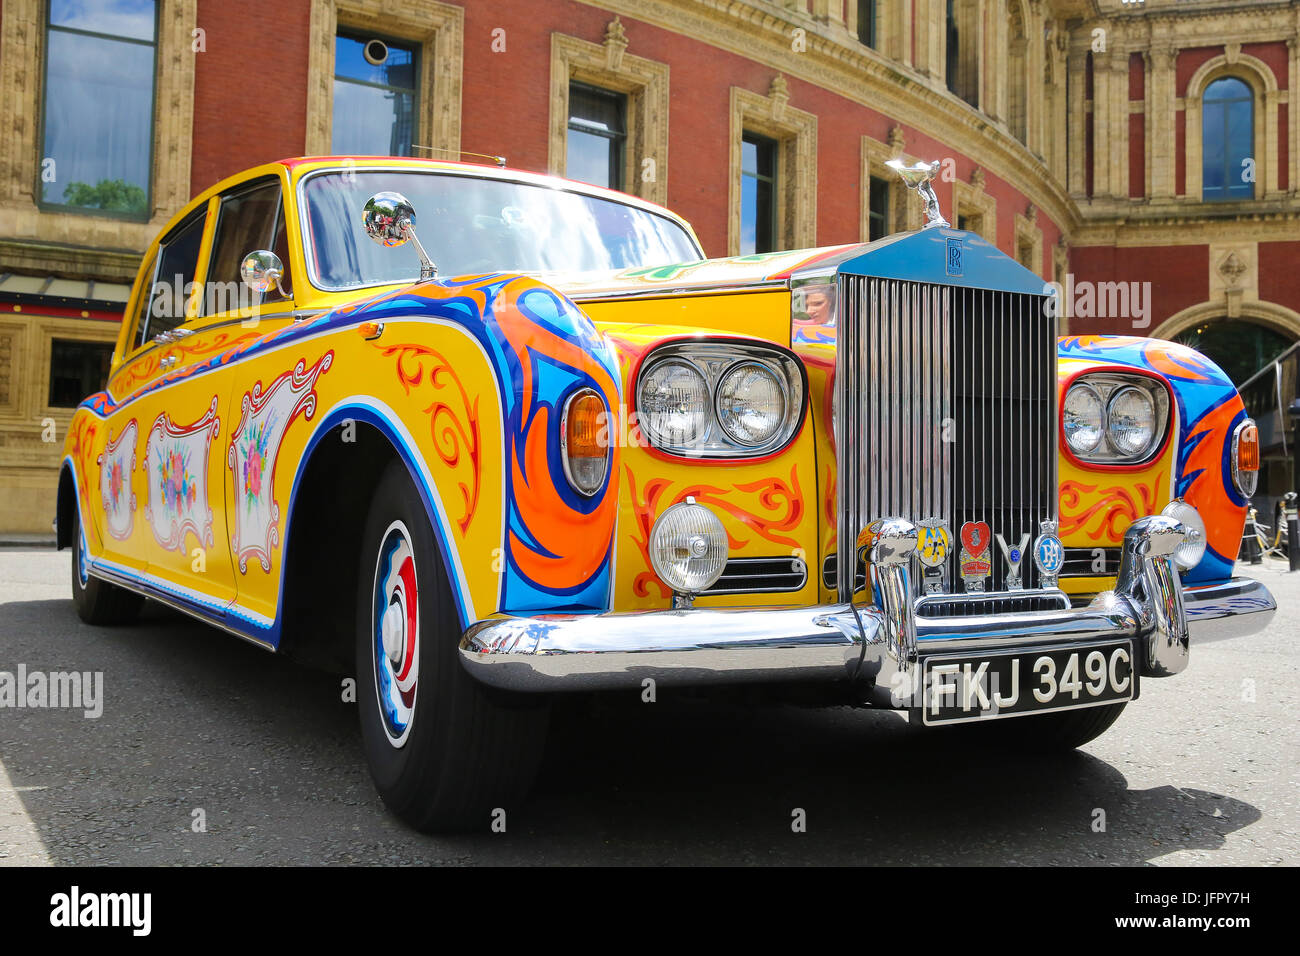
{"points": [[946, 408]]}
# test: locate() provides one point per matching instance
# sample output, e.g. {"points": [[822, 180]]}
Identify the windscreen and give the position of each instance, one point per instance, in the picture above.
{"points": [[472, 225]]}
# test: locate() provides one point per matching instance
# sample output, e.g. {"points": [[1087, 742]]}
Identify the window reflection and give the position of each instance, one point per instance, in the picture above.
{"points": [[98, 105], [471, 225], [374, 96], [1228, 140]]}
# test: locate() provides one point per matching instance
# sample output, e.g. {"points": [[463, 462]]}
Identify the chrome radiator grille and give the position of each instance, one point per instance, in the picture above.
{"points": [[946, 401]]}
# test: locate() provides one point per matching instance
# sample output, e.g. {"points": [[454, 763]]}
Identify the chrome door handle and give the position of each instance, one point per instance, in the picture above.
{"points": [[167, 361]]}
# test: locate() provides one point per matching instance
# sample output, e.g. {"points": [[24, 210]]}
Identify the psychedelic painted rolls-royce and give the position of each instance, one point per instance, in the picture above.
{"points": [[543, 445]]}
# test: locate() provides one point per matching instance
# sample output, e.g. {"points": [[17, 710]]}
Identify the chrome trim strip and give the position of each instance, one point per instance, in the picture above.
{"points": [[719, 288]]}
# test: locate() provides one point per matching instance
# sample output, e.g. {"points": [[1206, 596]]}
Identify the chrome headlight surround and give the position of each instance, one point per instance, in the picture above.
{"points": [[1108, 387], [715, 359]]}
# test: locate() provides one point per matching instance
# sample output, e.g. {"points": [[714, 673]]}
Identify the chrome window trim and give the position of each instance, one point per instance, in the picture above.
{"points": [[309, 259]]}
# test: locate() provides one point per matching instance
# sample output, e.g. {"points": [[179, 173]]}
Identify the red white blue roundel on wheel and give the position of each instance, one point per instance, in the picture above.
{"points": [[396, 621]]}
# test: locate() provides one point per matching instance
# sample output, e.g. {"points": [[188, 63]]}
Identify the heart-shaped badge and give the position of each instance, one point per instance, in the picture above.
{"points": [[975, 537]]}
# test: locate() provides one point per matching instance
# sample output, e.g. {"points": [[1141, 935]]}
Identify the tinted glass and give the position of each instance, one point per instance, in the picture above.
{"points": [[597, 133], [249, 220], [98, 106], [757, 194], [1227, 140], [77, 369], [471, 225], [878, 209], [374, 103], [180, 256]]}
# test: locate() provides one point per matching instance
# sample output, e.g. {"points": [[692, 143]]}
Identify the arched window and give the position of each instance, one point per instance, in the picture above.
{"points": [[1228, 140]]}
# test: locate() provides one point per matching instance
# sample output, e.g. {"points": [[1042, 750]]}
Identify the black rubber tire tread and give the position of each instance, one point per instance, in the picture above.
{"points": [[470, 750], [1060, 731], [100, 602]]}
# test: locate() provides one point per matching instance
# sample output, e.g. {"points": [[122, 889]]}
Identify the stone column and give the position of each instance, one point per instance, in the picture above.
{"points": [[1077, 117], [1161, 113]]}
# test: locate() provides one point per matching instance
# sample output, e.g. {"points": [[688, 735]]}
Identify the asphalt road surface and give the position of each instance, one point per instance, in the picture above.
{"points": [[197, 725]]}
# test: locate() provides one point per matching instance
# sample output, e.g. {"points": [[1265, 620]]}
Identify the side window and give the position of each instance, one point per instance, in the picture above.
{"points": [[140, 317], [248, 220], [174, 281]]}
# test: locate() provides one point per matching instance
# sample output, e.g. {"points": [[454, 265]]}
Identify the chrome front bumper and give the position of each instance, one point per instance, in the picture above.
{"points": [[843, 642]]}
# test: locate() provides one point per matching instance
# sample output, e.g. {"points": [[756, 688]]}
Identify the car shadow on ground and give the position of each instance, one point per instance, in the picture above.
{"points": [[271, 753]]}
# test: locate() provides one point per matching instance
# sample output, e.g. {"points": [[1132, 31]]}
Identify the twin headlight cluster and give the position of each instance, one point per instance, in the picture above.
{"points": [[719, 399], [1112, 419], [697, 398]]}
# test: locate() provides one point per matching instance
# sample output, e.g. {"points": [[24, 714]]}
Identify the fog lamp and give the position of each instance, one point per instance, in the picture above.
{"points": [[1188, 554], [688, 547]]}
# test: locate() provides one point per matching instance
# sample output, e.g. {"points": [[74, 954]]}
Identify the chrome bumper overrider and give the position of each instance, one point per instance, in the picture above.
{"points": [[875, 644]]}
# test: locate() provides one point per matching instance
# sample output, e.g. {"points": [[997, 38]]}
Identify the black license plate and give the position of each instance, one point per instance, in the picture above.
{"points": [[962, 687]]}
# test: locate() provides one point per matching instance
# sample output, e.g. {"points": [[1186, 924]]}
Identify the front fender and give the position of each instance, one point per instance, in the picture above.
{"points": [[555, 550], [1196, 467]]}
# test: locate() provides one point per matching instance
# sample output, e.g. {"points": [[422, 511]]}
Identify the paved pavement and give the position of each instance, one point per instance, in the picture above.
{"points": [[1201, 770]]}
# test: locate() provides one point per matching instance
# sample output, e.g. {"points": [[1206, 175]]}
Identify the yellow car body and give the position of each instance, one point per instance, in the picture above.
{"points": [[229, 464]]}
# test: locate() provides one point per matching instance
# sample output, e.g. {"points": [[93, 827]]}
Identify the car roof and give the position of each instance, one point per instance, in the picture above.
{"points": [[301, 165]]}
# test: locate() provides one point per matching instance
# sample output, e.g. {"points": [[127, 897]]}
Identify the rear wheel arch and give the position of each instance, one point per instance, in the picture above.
{"points": [[65, 508]]}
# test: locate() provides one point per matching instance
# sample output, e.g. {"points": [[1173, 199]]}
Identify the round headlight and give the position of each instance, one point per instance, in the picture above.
{"points": [[1188, 554], [1081, 418], [674, 402], [1131, 421], [751, 403], [688, 547]]}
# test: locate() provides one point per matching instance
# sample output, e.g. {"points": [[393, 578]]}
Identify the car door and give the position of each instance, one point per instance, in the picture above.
{"points": [[178, 405], [267, 391]]}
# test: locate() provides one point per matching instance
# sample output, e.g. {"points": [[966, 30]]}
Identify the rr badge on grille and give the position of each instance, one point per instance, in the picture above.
{"points": [[1049, 554], [1014, 555], [934, 544], [975, 566]]}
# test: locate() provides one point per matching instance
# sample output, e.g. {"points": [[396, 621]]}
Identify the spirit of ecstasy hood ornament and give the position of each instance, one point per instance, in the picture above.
{"points": [[919, 177]]}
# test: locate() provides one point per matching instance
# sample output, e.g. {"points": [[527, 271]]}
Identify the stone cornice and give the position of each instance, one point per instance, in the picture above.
{"points": [[761, 31]]}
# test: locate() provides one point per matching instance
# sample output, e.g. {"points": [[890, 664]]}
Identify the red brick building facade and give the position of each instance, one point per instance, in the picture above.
{"points": [[1078, 135]]}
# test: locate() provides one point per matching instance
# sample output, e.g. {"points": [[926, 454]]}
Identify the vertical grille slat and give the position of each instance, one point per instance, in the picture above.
{"points": [[946, 400]]}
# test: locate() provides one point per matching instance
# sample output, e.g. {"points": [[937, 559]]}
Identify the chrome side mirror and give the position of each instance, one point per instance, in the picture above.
{"points": [[262, 269], [389, 219]]}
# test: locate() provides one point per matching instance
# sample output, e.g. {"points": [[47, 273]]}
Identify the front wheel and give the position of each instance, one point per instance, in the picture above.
{"points": [[445, 752]]}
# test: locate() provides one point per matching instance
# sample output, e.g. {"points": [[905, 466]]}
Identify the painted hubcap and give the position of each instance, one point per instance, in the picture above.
{"points": [[395, 643]]}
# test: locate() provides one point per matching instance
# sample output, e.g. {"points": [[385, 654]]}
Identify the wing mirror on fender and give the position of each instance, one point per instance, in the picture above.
{"points": [[389, 219]]}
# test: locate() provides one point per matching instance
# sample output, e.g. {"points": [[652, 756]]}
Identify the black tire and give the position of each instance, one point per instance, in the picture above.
{"points": [[1060, 731], [98, 602], [460, 751]]}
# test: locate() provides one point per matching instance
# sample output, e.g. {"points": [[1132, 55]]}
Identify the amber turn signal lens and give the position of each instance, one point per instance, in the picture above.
{"points": [[1245, 457], [585, 434], [1248, 448]]}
